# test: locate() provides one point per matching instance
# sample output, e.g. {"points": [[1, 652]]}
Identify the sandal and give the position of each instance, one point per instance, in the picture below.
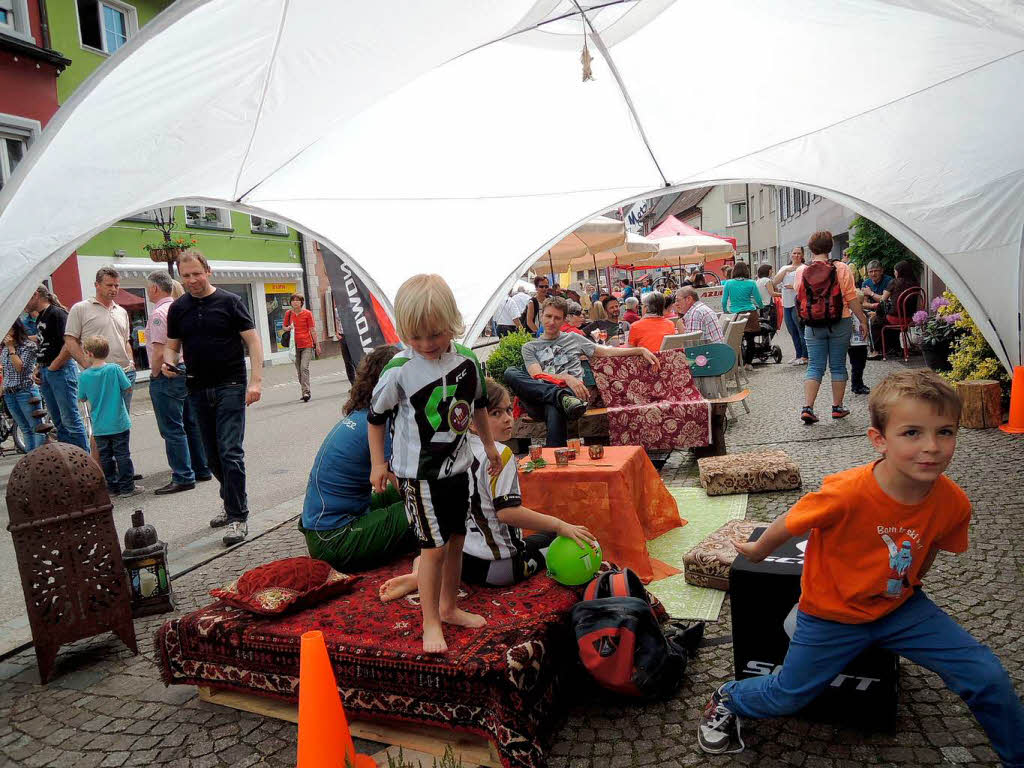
{"points": [[807, 415], [840, 411]]}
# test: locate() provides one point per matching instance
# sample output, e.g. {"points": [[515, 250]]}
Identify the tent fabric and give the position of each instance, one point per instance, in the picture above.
{"points": [[468, 121], [673, 226]]}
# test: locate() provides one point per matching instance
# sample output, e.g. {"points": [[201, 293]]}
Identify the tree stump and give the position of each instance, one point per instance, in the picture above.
{"points": [[983, 408]]}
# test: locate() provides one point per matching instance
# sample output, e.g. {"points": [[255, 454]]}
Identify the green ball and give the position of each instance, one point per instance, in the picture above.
{"points": [[570, 564]]}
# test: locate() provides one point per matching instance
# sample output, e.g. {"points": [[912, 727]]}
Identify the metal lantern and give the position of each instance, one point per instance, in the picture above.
{"points": [[145, 560], [68, 556]]}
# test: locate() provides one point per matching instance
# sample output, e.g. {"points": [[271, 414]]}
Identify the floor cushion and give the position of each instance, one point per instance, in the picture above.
{"points": [[502, 682], [707, 564], [285, 585], [748, 473]]}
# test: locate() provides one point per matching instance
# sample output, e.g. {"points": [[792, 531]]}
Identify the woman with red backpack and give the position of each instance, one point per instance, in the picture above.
{"points": [[826, 300]]}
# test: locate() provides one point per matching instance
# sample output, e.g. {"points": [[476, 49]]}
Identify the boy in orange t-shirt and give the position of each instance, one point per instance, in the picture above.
{"points": [[874, 533]]}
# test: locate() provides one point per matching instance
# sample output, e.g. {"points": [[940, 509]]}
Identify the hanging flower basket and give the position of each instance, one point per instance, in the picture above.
{"points": [[169, 250], [165, 254]]}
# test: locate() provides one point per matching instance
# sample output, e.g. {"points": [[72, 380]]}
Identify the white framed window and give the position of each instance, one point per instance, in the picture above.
{"points": [[12, 150], [268, 226], [105, 25], [14, 20], [207, 217], [736, 213]]}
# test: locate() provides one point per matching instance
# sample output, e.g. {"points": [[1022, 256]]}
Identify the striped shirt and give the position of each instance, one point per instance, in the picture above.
{"points": [[15, 380], [430, 404], [701, 317], [487, 537]]}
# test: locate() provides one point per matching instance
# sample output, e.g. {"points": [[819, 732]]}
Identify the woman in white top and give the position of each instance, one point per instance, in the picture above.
{"points": [[787, 278]]}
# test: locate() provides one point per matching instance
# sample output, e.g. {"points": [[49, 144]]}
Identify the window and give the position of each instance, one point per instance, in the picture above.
{"points": [[737, 213], [14, 20], [268, 226], [149, 215], [12, 149], [6, 14], [771, 200], [277, 297], [105, 25], [207, 217], [760, 203]]}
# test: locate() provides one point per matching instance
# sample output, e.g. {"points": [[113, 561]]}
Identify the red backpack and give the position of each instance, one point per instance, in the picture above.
{"points": [[822, 302]]}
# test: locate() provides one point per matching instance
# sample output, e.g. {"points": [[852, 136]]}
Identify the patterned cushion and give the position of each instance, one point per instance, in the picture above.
{"points": [[748, 473], [295, 582], [707, 564]]}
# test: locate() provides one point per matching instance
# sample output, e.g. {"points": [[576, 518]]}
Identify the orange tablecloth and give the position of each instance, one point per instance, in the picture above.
{"points": [[620, 498]]}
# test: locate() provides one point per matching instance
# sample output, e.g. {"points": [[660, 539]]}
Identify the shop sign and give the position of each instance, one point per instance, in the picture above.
{"points": [[280, 287]]}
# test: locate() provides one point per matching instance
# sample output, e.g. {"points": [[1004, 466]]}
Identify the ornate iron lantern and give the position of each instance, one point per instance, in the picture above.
{"points": [[68, 556], [145, 560]]}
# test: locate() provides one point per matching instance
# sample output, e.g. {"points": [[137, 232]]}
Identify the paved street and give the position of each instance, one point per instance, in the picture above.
{"points": [[282, 436], [108, 708]]}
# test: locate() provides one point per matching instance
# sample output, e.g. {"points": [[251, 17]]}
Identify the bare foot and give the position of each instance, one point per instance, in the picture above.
{"points": [[461, 618], [433, 640], [400, 586]]}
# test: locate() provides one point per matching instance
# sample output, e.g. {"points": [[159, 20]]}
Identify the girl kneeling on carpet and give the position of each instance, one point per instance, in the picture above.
{"points": [[495, 552]]}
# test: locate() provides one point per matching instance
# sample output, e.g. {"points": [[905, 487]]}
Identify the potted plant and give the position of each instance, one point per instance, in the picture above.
{"points": [[508, 353], [938, 332], [169, 250]]}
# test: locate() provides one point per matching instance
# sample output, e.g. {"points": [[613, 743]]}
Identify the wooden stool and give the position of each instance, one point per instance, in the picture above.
{"points": [[983, 407]]}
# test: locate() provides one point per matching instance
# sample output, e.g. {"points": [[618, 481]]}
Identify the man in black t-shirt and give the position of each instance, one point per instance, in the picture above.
{"points": [[214, 328], [56, 370]]}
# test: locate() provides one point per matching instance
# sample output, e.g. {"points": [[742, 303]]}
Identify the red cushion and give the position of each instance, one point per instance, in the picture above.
{"points": [[284, 585]]}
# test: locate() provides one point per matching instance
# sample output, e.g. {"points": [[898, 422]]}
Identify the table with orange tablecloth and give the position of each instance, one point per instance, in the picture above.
{"points": [[619, 497]]}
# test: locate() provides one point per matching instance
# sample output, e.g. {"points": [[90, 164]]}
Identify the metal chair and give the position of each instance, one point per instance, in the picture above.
{"points": [[734, 338], [907, 303]]}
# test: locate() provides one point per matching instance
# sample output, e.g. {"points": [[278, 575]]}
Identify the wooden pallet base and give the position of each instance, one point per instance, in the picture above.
{"points": [[474, 751]]}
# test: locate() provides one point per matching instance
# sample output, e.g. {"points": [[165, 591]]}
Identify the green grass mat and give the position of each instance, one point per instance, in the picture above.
{"points": [[704, 514]]}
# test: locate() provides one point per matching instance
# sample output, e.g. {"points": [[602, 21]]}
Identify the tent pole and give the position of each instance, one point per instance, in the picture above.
{"points": [[551, 264], [597, 274]]}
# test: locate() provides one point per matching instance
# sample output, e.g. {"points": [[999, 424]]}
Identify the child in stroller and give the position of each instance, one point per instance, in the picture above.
{"points": [[759, 346]]}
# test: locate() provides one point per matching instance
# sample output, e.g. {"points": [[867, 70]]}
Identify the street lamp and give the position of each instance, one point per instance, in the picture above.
{"points": [[164, 220]]}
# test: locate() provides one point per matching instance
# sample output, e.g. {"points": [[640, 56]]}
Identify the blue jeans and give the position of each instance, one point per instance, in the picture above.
{"points": [[220, 412], [793, 326], [127, 393], [21, 411], [60, 391], [919, 631], [827, 345], [116, 461], [183, 443], [541, 400]]}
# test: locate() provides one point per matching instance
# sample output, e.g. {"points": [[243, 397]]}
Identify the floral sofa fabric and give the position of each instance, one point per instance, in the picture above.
{"points": [[748, 473], [708, 564], [658, 410]]}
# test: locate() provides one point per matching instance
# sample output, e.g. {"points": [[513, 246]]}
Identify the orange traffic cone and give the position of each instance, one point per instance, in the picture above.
{"points": [[1015, 426], [324, 738]]}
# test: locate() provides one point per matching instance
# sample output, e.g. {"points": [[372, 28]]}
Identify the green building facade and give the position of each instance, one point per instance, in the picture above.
{"points": [[256, 258]]}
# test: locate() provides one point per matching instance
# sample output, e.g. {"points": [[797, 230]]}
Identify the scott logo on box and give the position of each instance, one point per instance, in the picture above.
{"points": [[768, 668]]}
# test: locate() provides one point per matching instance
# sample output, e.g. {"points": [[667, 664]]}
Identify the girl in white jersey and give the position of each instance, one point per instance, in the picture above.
{"points": [[495, 551]]}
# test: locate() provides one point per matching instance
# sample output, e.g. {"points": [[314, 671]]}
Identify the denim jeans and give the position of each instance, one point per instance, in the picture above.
{"points": [[919, 631], [127, 393], [220, 412], [540, 399], [827, 345], [60, 391], [116, 461], [21, 411], [792, 316], [183, 443]]}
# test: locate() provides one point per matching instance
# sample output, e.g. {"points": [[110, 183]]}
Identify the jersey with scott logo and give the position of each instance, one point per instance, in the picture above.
{"points": [[430, 404]]}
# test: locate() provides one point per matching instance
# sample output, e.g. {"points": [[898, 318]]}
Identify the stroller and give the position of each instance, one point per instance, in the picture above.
{"points": [[760, 344]]}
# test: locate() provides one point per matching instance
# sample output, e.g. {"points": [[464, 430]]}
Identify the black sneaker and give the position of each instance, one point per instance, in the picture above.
{"points": [[572, 406], [861, 390], [840, 411], [717, 726], [220, 520], [807, 415]]}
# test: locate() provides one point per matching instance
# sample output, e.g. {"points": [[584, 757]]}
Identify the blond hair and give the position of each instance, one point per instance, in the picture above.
{"points": [[177, 289], [96, 346], [425, 304], [919, 384]]}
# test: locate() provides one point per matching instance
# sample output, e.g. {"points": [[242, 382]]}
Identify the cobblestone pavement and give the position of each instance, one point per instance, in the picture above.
{"points": [[108, 708]]}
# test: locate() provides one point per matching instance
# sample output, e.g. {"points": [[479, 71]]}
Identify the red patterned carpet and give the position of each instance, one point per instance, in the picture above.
{"points": [[500, 682]]}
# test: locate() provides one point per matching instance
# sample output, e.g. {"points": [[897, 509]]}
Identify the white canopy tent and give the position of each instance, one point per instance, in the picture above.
{"points": [[345, 117]]}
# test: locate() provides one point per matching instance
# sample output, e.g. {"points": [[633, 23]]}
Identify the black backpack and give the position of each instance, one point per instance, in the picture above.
{"points": [[621, 643]]}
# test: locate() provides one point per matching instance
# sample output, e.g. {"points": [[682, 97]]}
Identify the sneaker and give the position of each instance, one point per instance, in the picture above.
{"points": [[862, 390], [572, 406], [237, 531], [204, 478], [305, 398], [796, 361], [840, 411], [220, 520], [803, 361], [717, 726], [134, 491], [807, 415]]}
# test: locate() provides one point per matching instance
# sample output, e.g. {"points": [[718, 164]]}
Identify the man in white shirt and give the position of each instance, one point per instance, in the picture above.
{"points": [[787, 278], [507, 316]]}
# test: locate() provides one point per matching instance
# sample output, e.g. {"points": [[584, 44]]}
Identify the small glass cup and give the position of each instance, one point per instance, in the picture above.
{"points": [[573, 443], [596, 451], [536, 452], [562, 457]]}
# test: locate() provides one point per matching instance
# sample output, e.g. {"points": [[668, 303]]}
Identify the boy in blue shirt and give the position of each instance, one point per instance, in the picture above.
{"points": [[101, 385]]}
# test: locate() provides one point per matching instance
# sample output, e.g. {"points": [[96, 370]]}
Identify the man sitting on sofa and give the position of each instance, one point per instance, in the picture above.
{"points": [[556, 356]]}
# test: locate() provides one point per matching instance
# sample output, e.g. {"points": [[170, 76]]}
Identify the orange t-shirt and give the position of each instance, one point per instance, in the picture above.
{"points": [[865, 551], [649, 332]]}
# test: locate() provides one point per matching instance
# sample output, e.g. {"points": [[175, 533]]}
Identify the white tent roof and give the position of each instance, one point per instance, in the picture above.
{"points": [[458, 116]]}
